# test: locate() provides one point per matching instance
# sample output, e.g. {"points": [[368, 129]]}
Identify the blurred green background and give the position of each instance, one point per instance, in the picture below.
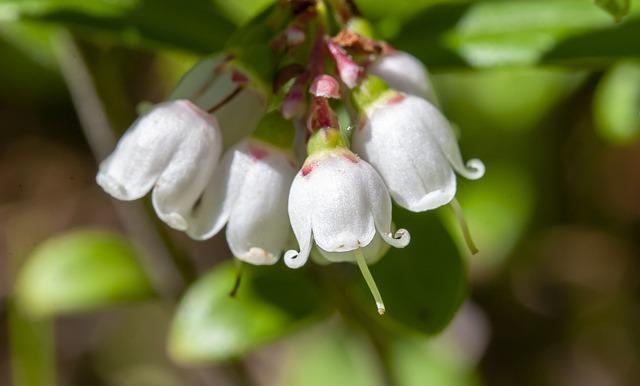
{"points": [[545, 92]]}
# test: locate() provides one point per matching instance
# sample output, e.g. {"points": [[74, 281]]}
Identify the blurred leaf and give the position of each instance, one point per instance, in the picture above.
{"points": [[195, 25], [483, 34], [242, 11], [617, 8], [32, 350], [496, 224], [617, 104], [80, 271], [210, 325], [330, 356], [416, 363], [423, 284], [27, 69]]}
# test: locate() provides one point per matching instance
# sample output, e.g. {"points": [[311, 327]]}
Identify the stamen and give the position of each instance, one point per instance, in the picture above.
{"points": [[457, 211], [364, 269], [236, 284]]}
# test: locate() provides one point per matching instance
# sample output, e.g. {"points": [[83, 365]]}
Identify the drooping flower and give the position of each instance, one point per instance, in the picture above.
{"points": [[411, 145], [248, 192], [220, 85], [404, 72], [339, 202], [172, 149]]}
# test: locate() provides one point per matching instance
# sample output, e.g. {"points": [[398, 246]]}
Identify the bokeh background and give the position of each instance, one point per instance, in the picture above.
{"points": [[546, 93]]}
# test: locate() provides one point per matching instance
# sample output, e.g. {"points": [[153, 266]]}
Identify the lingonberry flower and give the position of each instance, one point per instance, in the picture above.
{"points": [[248, 192], [221, 86], [340, 203], [403, 72], [411, 145], [173, 149]]}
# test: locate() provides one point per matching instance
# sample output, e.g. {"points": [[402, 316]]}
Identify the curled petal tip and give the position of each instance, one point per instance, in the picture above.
{"points": [[399, 239], [474, 169], [293, 259]]}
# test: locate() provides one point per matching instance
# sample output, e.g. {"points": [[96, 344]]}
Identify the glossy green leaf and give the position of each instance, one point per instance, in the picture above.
{"points": [[617, 104], [423, 284], [210, 325], [195, 25], [617, 8], [80, 271], [484, 34]]}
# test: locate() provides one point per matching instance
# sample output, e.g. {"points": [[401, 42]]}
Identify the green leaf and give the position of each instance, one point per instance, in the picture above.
{"points": [[617, 8], [210, 325], [417, 363], [423, 284], [617, 104], [484, 34], [242, 11], [496, 224], [80, 271], [32, 349], [194, 25], [331, 355]]}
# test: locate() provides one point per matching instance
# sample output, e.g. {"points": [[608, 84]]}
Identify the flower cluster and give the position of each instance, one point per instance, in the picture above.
{"points": [[222, 150]]}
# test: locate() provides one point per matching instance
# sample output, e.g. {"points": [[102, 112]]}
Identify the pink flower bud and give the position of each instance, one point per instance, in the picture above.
{"points": [[325, 86], [349, 71]]}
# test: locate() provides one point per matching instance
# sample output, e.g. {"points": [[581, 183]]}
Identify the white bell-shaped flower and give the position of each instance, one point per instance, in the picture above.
{"points": [[219, 85], [248, 192], [339, 202], [412, 146], [173, 149], [404, 72]]}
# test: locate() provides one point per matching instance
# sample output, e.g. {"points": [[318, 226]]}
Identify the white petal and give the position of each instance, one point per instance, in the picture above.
{"points": [[207, 83], [440, 130], [404, 72], [380, 204], [148, 147], [212, 212], [372, 253], [258, 226], [299, 214], [183, 180], [396, 143], [341, 215], [240, 116]]}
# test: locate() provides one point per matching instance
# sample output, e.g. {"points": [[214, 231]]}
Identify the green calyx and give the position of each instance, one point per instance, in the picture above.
{"points": [[370, 91], [360, 26], [275, 130], [326, 139]]}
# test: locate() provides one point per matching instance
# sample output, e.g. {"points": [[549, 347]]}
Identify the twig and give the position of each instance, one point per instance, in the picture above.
{"points": [[159, 264]]}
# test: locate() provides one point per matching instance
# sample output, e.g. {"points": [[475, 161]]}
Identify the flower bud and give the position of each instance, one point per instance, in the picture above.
{"points": [[172, 149]]}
